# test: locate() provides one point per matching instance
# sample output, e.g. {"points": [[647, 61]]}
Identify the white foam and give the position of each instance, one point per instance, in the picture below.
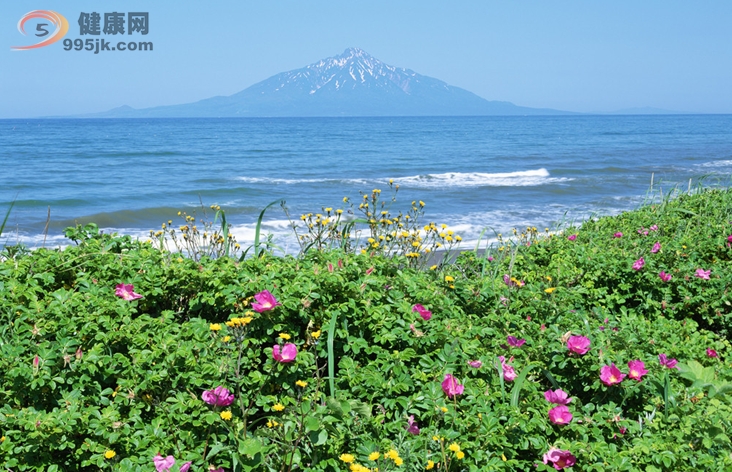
{"points": [[525, 178], [725, 163]]}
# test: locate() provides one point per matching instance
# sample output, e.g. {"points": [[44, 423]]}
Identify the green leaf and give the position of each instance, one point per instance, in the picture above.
{"points": [[519, 383], [311, 423], [250, 447]]}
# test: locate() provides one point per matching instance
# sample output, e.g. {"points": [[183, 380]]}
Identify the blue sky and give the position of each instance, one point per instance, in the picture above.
{"points": [[571, 55]]}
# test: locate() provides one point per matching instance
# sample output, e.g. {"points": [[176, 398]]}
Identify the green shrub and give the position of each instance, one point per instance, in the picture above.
{"points": [[93, 381]]}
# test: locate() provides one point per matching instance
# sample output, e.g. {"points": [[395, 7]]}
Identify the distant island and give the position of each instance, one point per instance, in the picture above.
{"points": [[351, 84]]}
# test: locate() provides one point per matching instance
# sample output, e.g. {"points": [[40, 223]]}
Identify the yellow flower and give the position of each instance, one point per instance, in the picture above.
{"points": [[434, 267], [345, 199], [284, 336], [347, 458], [225, 415], [449, 278], [301, 383], [2, 439], [110, 454], [503, 456], [374, 456], [270, 424], [460, 455], [328, 210], [435, 438], [430, 465], [278, 407], [315, 334], [549, 278], [454, 447], [392, 454], [214, 327], [398, 461], [246, 320], [444, 410], [550, 289], [227, 339]]}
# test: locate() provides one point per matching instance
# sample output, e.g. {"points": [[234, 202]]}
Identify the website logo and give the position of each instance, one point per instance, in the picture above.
{"points": [[43, 30]]}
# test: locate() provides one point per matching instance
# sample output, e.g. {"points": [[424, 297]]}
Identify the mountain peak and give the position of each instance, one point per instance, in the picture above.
{"points": [[353, 83], [357, 52]]}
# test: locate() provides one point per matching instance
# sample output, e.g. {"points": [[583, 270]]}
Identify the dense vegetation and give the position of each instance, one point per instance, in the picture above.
{"points": [[360, 361]]}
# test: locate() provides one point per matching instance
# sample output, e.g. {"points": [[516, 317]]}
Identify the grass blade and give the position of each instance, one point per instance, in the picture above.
{"points": [[7, 215], [519, 383], [259, 227], [499, 368], [551, 378], [224, 230], [331, 356], [666, 395]]}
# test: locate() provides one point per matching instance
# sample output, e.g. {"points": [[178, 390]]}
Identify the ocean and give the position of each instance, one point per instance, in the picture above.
{"points": [[473, 173]]}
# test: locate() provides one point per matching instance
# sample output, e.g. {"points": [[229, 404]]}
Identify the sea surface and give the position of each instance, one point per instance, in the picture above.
{"points": [[473, 173]]}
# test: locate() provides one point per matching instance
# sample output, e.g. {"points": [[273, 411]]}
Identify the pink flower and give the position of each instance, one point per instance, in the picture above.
{"points": [[712, 353], [638, 265], [412, 427], [703, 274], [475, 364], [656, 248], [423, 312], [668, 363], [559, 458], [729, 238], [572, 237], [287, 354], [560, 415], [219, 396], [163, 464], [185, 466], [611, 375], [509, 374], [369, 270], [36, 361], [507, 280], [265, 302], [558, 397], [578, 344], [636, 370], [664, 276], [515, 342], [653, 228], [618, 235], [126, 292], [490, 258], [451, 386]]}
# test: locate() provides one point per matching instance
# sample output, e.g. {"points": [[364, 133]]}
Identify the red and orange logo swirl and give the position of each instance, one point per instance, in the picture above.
{"points": [[57, 20]]}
